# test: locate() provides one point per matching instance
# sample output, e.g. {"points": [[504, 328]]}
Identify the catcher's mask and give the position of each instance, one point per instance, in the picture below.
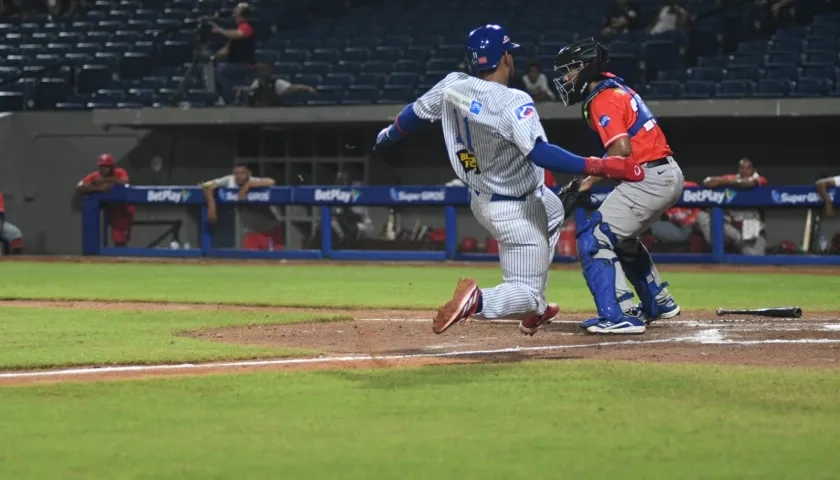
{"points": [[578, 64]]}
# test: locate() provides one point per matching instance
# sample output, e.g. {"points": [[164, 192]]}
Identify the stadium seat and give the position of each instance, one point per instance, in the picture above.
{"points": [[404, 79], [820, 71], [783, 60], [388, 54], [626, 67], [358, 54], [678, 75], [822, 43], [396, 96], [699, 90], [175, 52], [773, 88], [812, 87], [135, 65], [820, 57], [735, 89], [318, 68], [660, 55], [294, 55], [745, 72], [308, 79], [91, 78], [324, 55], [377, 67], [705, 74], [782, 73], [338, 79], [287, 68], [711, 62], [50, 91], [376, 79], [663, 90], [344, 66]]}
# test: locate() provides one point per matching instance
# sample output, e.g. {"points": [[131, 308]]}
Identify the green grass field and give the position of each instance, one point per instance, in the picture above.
{"points": [[539, 419]]}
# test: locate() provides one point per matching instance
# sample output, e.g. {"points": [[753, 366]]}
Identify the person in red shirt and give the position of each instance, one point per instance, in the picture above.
{"points": [[744, 229], [120, 215], [677, 223], [241, 48], [11, 237], [608, 243]]}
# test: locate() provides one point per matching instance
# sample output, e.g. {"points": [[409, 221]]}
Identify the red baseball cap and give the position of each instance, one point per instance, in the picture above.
{"points": [[105, 160]]}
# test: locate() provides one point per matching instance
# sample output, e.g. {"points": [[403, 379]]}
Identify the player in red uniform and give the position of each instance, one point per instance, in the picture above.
{"points": [[120, 216], [608, 243]]}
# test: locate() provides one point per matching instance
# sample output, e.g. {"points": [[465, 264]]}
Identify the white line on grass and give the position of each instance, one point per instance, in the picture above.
{"points": [[704, 339]]}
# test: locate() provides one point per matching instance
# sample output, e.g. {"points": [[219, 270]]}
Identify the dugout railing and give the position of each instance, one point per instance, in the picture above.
{"points": [[448, 198]]}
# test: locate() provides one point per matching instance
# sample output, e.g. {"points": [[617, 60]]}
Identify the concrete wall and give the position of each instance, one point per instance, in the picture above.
{"points": [[45, 154]]}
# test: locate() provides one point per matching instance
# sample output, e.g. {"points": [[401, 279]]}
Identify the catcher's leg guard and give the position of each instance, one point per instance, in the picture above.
{"points": [[640, 270], [595, 244]]}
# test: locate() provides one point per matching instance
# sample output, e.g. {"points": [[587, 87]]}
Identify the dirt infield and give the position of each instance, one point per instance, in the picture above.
{"points": [[399, 338]]}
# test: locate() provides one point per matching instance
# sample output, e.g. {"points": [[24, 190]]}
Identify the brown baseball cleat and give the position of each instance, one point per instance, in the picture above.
{"points": [[459, 308], [530, 324]]}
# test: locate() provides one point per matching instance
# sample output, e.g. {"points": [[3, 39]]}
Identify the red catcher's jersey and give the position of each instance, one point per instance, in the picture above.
{"points": [[614, 111]]}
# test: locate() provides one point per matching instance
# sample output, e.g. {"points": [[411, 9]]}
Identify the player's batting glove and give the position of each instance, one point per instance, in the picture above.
{"points": [[387, 136]]}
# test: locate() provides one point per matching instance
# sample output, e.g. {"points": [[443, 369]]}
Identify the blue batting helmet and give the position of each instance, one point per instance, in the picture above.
{"points": [[486, 46]]}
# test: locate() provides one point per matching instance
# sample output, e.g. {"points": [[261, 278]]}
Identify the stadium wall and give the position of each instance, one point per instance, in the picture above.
{"points": [[45, 154]]}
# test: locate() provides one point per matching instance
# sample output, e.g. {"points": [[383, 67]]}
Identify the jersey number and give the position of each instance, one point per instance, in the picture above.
{"points": [[466, 156]]}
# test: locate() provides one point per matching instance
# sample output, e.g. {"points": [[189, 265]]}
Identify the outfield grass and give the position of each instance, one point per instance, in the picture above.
{"points": [[575, 420], [377, 286], [32, 338]]}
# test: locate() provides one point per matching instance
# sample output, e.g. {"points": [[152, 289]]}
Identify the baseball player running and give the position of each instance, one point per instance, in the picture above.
{"points": [[498, 148], [608, 243]]}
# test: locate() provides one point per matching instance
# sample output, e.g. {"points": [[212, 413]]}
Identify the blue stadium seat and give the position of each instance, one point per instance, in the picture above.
{"points": [[294, 55], [287, 68], [126, 36], [91, 78], [782, 73], [822, 43], [344, 66], [746, 72], [70, 37], [678, 75], [420, 53], [338, 79], [325, 55], [59, 48], [389, 96], [135, 65], [783, 45], [12, 101], [308, 79], [109, 94], [820, 57], [660, 55], [441, 65], [783, 60], [404, 79], [626, 67], [377, 67], [267, 56], [836, 91], [386, 53], [319, 68], [738, 59], [358, 54], [398, 40], [699, 90], [735, 89], [812, 87], [48, 59], [174, 52], [412, 66], [753, 47], [369, 78], [623, 48], [821, 71], [711, 62], [705, 74], [111, 59], [771, 88], [96, 36], [663, 90]]}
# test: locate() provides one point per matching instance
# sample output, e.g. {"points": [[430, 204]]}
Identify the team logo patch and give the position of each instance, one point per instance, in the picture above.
{"points": [[482, 60], [506, 39], [468, 161], [475, 107], [526, 111], [604, 120]]}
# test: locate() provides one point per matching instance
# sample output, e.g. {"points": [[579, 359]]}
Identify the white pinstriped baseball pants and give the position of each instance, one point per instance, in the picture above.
{"points": [[527, 232]]}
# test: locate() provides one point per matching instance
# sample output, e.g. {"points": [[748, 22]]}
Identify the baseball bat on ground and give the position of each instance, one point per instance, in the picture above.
{"points": [[775, 312]]}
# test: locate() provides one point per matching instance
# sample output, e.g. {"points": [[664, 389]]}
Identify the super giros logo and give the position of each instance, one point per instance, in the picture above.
{"points": [[468, 161]]}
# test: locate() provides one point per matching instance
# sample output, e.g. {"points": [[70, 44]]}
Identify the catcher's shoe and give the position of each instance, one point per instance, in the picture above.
{"points": [[460, 307], [530, 324]]}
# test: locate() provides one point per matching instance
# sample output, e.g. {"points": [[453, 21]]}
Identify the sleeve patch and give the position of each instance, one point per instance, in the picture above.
{"points": [[604, 120], [525, 112]]}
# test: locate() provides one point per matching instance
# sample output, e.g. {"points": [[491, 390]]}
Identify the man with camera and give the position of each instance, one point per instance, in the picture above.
{"points": [[240, 49]]}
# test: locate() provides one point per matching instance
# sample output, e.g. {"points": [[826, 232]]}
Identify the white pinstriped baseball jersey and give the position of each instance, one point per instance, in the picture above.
{"points": [[489, 131]]}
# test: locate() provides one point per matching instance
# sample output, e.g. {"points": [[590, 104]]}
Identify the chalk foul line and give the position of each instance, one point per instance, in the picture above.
{"points": [[706, 338]]}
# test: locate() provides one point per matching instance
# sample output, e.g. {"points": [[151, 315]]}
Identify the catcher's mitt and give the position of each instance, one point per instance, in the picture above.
{"points": [[573, 198]]}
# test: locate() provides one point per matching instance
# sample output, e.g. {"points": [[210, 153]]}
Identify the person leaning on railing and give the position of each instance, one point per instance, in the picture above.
{"points": [[823, 185]]}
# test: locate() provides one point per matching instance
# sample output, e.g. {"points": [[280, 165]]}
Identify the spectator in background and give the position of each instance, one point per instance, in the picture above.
{"points": [[268, 92], [261, 223], [536, 83], [120, 215], [241, 179], [351, 224], [777, 14], [11, 239], [241, 48], [823, 185], [744, 228], [621, 17], [677, 223], [672, 16]]}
